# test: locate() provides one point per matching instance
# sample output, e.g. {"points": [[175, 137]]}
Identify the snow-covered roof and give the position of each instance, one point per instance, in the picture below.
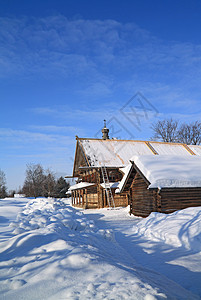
{"points": [[119, 152], [170, 171], [68, 192], [169, 148], [112, 152], [126, 170], [112, 185], [196, 149], [80, 185]]}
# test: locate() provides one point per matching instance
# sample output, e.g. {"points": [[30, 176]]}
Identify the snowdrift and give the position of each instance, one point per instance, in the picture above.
{"points": [[53, 251], [179, 229]]}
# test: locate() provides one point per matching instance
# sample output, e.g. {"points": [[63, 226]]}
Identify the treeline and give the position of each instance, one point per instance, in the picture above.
{"points": [[43, 183], [38, 183], [3, 188], [171, 131]]}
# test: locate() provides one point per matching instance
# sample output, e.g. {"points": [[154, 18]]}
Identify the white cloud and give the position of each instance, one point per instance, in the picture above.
{"points": [[24, 142], [92, 49], [101, 60], [54, 128], [80, 115]]}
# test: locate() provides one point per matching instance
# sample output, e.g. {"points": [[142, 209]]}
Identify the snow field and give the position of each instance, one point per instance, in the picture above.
{"points": [[179, 229], [53, 251]]}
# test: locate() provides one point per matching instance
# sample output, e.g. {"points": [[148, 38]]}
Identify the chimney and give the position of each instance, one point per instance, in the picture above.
{"points": [[105, 132]]}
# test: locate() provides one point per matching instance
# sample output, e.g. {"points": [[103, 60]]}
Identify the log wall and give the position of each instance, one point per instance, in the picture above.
{"points": [[167, 200], [143, 201], [94, 197], [173, 199], [121, 199], [85, 198]]}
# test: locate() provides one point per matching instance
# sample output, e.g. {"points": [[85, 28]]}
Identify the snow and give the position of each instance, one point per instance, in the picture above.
{"points": [[19, 196], [126, 171], [80, 185], [113, 152], [170, 171], [112, 185], [170, 149], [119, 152], [196, 149], [50, 250], [179, 229]]}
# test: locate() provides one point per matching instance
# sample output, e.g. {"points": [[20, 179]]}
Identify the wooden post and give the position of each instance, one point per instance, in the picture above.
{"points": [[103, 197], [86, 206], [83, 200], [98, 188], [73, 198], [78, 197]]}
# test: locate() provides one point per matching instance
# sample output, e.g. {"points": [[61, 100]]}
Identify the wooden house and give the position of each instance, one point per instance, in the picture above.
{"points": [[103, 171], [163, 183]]}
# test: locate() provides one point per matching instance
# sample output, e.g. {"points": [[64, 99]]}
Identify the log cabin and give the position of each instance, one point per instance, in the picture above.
{"points": [[163, 183], [103, 169]]}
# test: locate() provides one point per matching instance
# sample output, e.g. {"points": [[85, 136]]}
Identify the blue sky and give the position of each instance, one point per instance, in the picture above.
{"points": [[67, 65]]}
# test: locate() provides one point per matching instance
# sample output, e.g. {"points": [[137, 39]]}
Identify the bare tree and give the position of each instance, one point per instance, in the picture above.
{"points": [[3, 188], [170, 131], [166, 130], [43, 183], [34, 181], [190, 134]]}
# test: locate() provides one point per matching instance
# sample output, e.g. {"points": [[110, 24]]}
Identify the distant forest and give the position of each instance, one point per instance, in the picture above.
{"points": [[38, 183]]}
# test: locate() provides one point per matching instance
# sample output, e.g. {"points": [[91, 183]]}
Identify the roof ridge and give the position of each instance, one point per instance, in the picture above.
{"points": [[138, 141]]}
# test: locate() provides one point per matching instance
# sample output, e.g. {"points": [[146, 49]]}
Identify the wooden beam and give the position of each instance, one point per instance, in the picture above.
{"points": [[188, 149], [151, 148]]}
